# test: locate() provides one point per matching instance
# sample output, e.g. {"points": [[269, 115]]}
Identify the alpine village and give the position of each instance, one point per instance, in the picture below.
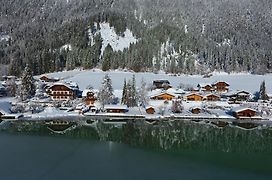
{"points": [[62, 105]]}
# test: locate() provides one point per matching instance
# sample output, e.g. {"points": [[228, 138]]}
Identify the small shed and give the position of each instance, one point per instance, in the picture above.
{"points": [[195, 110], [150, 110]]}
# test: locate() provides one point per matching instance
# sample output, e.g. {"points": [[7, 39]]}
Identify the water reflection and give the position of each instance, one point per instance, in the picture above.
{"points": [[43, 158]]}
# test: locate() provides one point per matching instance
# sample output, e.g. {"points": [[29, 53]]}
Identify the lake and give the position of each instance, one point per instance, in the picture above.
{"points": [[44, 157]]}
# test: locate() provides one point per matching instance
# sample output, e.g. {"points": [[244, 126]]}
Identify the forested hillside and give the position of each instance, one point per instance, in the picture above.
{"points": [[176, 36]]}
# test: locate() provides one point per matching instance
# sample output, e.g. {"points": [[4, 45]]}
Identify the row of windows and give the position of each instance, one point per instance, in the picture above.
{"points": [[61, 92], [60, 97]]}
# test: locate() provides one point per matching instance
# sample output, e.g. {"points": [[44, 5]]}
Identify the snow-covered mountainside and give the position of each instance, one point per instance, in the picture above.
{"points": [[109, 37], [175, 36]]}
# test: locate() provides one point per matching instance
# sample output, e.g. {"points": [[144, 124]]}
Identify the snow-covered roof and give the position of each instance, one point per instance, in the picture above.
{"points": [[215, 82], [241, 108], [85, 92], [175, 91], [238, 92], [164, 92], [204, 84], [5, 107], [115, 107], [68, 85], [149, 107]]}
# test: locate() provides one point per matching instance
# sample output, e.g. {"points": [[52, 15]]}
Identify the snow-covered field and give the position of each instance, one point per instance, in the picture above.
{"points": [[94, 78]]}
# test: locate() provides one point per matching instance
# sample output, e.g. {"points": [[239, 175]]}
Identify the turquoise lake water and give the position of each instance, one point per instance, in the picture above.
{"points": [[47, 158]]}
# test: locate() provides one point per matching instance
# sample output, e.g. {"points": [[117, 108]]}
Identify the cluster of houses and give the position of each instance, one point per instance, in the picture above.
{"points": [[161, 91]]}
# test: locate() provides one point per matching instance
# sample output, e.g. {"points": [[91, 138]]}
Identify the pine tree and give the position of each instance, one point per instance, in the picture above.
{"points": [[107, 55], [28, 87], [131, 93], [124, 94], [262, 92], [105, 94], [134, 92]]}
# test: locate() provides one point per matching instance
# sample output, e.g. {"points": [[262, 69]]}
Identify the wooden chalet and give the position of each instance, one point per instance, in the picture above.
{"points": [[240, 96], [212, 97], [163, 96], [61, 92], [244, 113], [88, 96], [161, 84], [150, 110], [194, 97], [115, 108], [205, 87], [221, 87]]}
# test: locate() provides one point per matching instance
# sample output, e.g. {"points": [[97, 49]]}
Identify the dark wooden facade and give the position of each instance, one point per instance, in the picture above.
{"points": [[221, 86], [163, 96], [162, 84], [245, 113], [150, 110], [61, 92], [212, 97], [240, 96], [89, 99], [205, 88], [115, 109], [194, 97], [196, 110]]}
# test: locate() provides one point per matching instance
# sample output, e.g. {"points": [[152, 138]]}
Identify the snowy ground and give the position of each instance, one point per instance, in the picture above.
{"points": [[94, 77]]}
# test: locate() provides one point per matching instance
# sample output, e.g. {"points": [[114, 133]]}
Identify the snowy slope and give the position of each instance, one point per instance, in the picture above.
{"points": [[109, 36], [94, 77]]}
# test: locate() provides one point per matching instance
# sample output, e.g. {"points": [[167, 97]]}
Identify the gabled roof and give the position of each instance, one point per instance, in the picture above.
{"points": [[220, 82], [86, 91], [194, 94], [240, 109], [204, 85], [149, 107], [68, 85], [162, 94]]}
